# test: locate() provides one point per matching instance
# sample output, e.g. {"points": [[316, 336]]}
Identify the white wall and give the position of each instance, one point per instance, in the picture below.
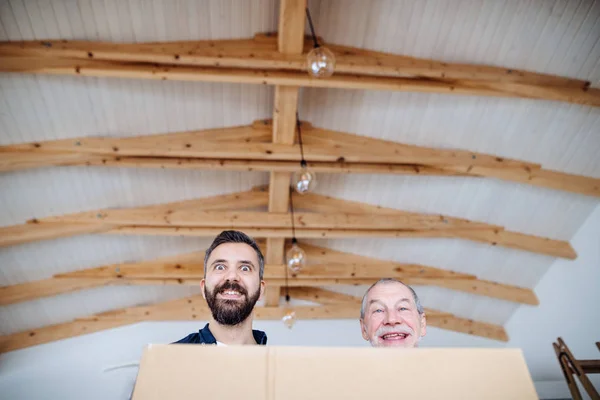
{"points": [[569, 295]]}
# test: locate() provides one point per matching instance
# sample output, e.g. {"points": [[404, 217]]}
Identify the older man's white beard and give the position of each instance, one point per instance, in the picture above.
{"points": [[391, 329]]}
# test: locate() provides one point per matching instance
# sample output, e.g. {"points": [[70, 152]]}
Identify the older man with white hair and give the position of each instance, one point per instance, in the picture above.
{"points": [[391, 315]]}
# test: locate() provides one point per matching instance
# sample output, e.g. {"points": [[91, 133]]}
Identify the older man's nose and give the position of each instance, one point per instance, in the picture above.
{"points": [[392, 318]]}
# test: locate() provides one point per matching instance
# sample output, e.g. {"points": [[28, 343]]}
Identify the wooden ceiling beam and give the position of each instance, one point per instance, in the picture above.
{"points": [[435, 318], [250, 148], [101, 276], [326, 267], [68, 282], [264, 52], [190, 266], [237, 165], [28, 291], [44, 229], [493, 236], [258, 61], [416, 274], [189, 309], [148, 146], [134, 70], [534, 244], [335, 306], [311, 225], [35, 231], [281, 220], [536, 177]]}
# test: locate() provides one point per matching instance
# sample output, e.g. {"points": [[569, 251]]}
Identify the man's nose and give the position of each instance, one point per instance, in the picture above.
{"points": [[392, 318], [232, 275]]}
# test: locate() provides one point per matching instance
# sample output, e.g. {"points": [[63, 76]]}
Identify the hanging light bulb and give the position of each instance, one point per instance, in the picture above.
{"points": [[320, 61], [289, 318], [304, 180], [295, 257]]}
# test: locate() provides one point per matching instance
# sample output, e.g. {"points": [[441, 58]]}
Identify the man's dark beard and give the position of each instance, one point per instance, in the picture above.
{"points": [[227, 311]]}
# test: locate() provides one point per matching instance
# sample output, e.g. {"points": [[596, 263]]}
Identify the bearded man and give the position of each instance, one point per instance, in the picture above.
{"points": [[232, 284]]}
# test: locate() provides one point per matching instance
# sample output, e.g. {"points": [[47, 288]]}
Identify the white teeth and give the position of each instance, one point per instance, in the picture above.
{"points": [[393, 335], [231, 292]]}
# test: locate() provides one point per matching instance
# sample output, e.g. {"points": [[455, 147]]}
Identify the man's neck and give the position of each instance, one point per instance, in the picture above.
{"points": [[231, 335]]}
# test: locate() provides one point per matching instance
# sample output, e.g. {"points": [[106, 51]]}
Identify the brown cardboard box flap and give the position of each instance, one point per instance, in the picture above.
{"points": [[278, 373]]}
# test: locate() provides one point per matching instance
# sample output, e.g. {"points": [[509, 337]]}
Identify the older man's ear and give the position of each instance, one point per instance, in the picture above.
{"points": [[363, 329]]}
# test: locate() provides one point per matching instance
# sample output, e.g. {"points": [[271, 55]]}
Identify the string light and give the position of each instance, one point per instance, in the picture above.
{"points": [[303, 180], [295, 260], [320, 60], [295, 256], [289, 318]]}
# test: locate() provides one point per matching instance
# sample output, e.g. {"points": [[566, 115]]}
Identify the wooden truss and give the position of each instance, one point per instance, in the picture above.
{"points": [[271, 59], [328, 267], [257, 147], [319, 217], [333, 306]]}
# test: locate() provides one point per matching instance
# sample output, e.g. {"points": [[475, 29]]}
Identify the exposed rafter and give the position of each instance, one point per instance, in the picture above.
{"points": [[348, 266], [434, 317], [35, 230], [47, 287], [251, 148], [258, 61], [331, 218], [327, 267], [494, 237], [335, 306], [264, 51]]}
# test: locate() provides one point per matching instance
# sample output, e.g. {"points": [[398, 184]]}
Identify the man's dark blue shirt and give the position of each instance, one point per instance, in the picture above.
{"points": [[205, 336]]}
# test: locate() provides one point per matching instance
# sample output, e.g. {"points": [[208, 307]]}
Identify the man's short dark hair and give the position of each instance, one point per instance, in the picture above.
{"points": [[235, 237]]}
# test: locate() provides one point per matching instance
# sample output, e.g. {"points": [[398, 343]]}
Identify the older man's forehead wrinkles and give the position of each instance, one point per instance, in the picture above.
{"points": [[378, 301], [381, 302]]}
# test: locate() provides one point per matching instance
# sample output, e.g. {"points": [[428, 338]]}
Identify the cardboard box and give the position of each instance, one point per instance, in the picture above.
{"points": [[277, 373]]}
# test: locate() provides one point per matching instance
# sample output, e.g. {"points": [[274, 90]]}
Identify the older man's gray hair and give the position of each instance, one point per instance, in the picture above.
{"points": [[363, 306]]}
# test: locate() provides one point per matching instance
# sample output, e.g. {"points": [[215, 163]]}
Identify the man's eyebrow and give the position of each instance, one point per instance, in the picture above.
{"points": [[220, 260], [246, 262]]}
